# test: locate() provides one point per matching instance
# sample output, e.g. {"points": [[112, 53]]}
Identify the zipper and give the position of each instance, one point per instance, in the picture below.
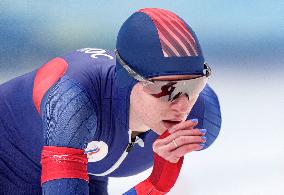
{"points": [[130, 145]]}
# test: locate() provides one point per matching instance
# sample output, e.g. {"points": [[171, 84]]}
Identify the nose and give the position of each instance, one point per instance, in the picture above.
{"points": [[181, 104]]}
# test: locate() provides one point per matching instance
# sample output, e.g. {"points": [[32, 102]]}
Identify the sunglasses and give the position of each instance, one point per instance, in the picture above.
{"points": [[167, 90]]}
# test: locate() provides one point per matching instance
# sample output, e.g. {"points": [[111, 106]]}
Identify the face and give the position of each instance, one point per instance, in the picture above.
{"points": [[148, 112]]}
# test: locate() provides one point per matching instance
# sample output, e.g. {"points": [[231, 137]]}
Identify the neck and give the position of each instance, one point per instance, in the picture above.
{"points": [[136, 125]]}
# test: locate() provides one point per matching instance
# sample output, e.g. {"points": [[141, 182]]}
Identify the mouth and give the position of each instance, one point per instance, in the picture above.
{"points": [[169, 123]]}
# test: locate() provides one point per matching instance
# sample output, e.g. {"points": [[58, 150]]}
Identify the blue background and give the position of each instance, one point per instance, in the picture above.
{"points": [[244, 35]]}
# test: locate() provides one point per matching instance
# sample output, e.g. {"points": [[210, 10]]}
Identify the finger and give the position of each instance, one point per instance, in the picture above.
{"points": [[164, 148], [173, 136], [183, 150], [184, 140], [189, 124]]}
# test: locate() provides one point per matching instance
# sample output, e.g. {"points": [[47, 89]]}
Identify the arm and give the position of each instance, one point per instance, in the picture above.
{"points": [[69, 122], [168, 158]]}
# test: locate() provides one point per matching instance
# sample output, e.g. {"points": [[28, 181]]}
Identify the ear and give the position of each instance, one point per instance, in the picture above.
{"points": [[137, 89]]}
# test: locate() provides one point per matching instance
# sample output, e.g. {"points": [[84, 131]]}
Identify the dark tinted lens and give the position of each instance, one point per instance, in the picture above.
{"points": [[171, 90], [164, 90], [175, 97]]}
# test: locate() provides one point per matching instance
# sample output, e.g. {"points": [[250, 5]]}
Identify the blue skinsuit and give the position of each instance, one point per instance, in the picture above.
{"points": [[85, 104]]}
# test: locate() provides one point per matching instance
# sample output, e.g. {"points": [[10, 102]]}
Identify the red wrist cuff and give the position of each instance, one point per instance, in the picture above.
{"points": [[146, 187], [165, 173]]}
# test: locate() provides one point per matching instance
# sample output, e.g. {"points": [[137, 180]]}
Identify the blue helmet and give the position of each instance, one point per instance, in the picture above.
{"points": [[156, 42]]}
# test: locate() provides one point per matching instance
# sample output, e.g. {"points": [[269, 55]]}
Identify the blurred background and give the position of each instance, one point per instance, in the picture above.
{"points": [[242, 40]]}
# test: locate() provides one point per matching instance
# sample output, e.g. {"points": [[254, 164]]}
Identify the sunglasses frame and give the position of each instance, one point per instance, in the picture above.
{"points": [[145, 82], [138, 77]]}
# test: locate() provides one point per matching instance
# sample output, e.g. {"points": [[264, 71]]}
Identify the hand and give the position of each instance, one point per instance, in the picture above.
{"points": [[181, 139], [163, 176], [168, 157]]}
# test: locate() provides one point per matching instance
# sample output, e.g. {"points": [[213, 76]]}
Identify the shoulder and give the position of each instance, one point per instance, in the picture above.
{"points": [[90, 58], [208, 112], [68, 114], [88, 66], [94, 68]]}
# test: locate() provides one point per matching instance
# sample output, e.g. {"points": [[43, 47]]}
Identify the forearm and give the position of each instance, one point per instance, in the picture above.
{"points": [[69, 122], [64, 171], [68, 186], [162, 178]]}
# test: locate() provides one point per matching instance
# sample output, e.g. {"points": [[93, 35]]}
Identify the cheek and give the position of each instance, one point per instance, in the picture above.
{"points": [[152, 109]]}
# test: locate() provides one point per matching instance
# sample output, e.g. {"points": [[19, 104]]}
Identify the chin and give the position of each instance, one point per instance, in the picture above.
{"points": [[159, 128]]}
